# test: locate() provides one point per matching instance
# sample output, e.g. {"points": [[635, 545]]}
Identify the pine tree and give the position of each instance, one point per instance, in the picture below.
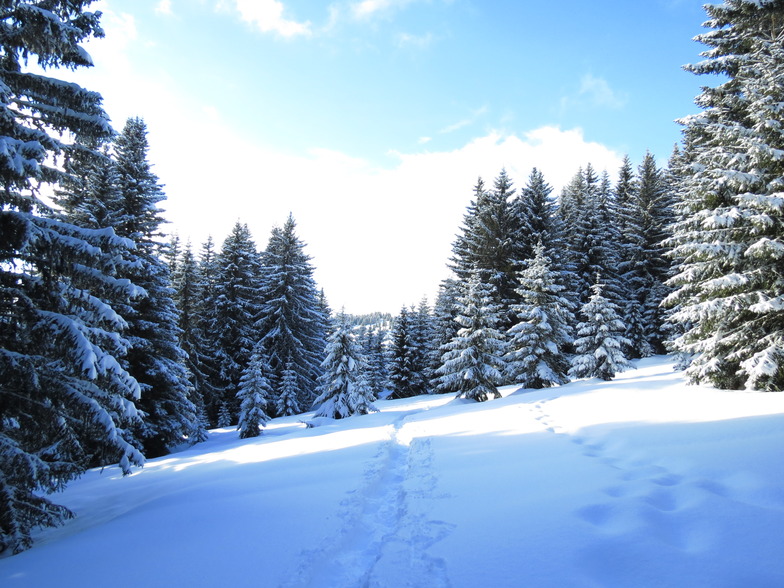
{"points": [[536, 356], [445, 328], [287, 402], [230, 306], [291, 319], [198, 340], [406, 376], [473, 363], [371, 343], [728, 240], [65, 401], [254, 395], [486, 244], [155, 358], [343, 388], [599, 346]]}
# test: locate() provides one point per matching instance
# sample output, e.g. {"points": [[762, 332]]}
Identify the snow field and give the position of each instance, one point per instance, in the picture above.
{"points": [[640, 481]]}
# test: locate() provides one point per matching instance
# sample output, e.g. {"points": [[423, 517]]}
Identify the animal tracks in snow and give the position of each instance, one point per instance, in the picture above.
{"points": [[385, 528], [644, 497]]}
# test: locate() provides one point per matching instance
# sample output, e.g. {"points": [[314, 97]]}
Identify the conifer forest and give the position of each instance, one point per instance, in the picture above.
{"points": [[120, 343]]}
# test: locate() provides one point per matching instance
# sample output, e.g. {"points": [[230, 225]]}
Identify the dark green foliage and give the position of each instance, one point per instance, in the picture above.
{"points": [[65, 401]]}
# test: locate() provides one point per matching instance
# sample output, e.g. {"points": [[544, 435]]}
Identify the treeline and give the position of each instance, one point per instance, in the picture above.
{"points": [[544, 288], [239, 306]]}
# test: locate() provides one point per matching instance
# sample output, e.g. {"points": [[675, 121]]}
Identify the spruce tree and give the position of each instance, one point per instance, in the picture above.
{"points": [[536, 350], [486, 244], [230, 309], [287, 401], [343, 388], [66, 403], [291, 318], [255, 394], [473, 362], [728, 240], [155, 358], [406, 376], [600, 339], [445, 328]]}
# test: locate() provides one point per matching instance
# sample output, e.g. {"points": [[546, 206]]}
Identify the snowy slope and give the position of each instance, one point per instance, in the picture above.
{"points": [[642, 481]]}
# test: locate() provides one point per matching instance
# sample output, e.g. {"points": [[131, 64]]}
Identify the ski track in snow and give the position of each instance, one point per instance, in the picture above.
{"points": [[648, 495], [385, 531]]}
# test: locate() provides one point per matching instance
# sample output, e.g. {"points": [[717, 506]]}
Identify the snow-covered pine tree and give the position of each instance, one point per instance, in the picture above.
{"points": [[343, 388], [155, 358], [590, 235], [291, 318], [600, 339], [65, 401], [198, 340], [230, 306], [372, 344], [534, 216], [536, 348], [632, 260], [729, 242], [287, 401], [654, 203], [486, 243], [422, 330], [255, 394], [473, 362], [445, 329], [406, 358]]}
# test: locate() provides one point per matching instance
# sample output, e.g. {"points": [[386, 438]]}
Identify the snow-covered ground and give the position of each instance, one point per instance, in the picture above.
{"points": [[641, 481]]}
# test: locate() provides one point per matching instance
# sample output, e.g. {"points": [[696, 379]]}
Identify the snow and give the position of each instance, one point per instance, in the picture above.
{"points": [[639, 481]]}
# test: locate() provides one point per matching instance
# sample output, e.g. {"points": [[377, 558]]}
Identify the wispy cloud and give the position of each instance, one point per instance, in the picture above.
{"points": [[594, 92], [268, 17], [164, 7], [476, 114], [415, 41], [369, 8], [598, 90]]}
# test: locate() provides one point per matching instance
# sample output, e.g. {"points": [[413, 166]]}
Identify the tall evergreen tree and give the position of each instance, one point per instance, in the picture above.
{"points": [[445, 328], [473, 363], [155, 358], [485, 245], [343, 388], [291, 319], [65, 401], [255, 394], [372, 346], [406, 358], [536, 350], [229, 313], [600, 340], [728, 241]]}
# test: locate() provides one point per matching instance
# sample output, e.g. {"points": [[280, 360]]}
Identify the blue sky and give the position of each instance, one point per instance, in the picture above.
{"points": [[370, 120]]}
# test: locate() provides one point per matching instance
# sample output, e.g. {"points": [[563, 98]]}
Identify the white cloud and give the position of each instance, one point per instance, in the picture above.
{"points": [[380, 237], [164, 7], [415, 41], [268, 17], [370, 8], [599, 93]]}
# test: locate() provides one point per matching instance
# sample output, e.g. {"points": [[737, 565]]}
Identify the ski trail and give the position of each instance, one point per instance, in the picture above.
{"points": [[385, 530]]}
